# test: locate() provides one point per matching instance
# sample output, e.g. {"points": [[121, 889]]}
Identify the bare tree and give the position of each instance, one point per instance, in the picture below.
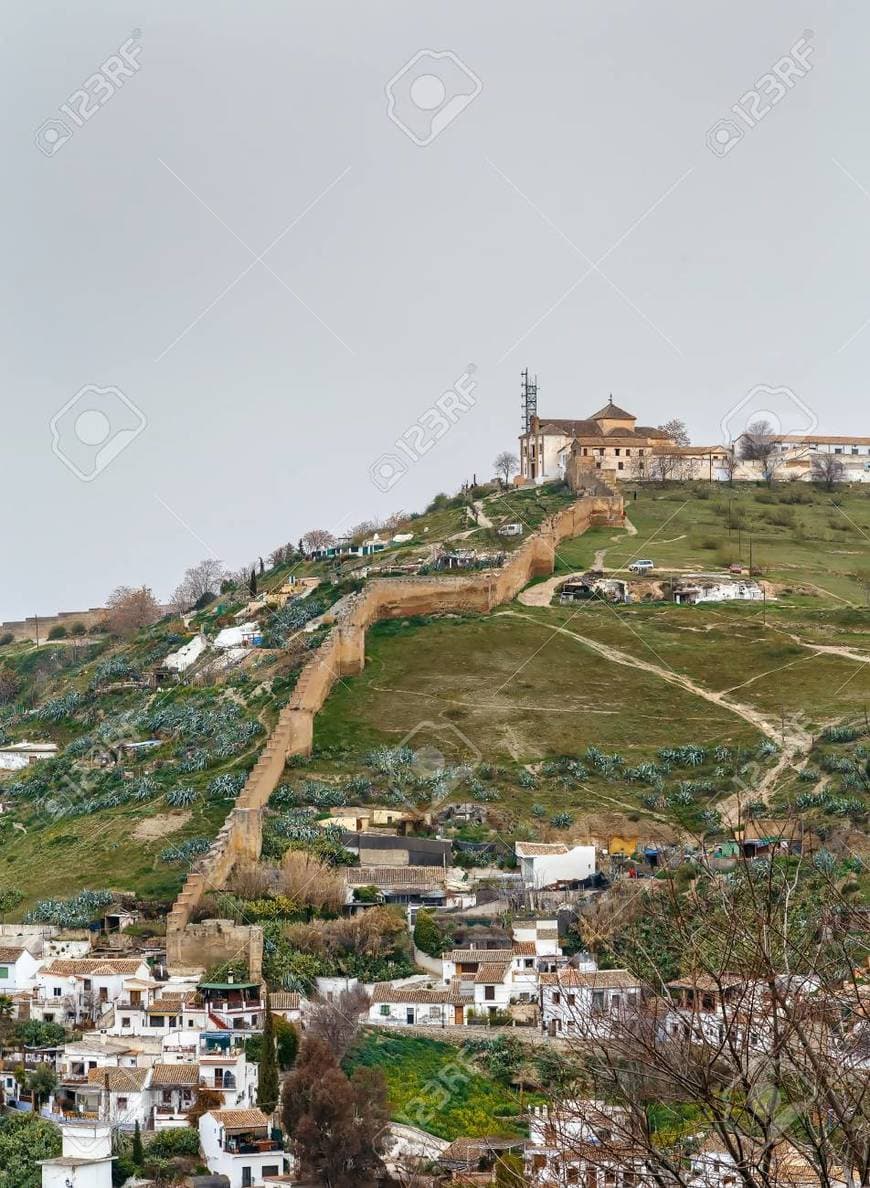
{"points": [[762, 1040], [506, 464], [199, 580], [129, 610], [337, 1021], [828, 469], [758, 444], [666, 465], [730, 464], [317, 538], [676, 431]]}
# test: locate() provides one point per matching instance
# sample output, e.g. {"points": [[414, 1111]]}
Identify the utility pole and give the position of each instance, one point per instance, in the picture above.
{"points": [[764, 606], [36, 617]]}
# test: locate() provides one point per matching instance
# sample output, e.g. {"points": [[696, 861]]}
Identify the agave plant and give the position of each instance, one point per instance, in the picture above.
{"points": [[181, 797], [561, 820]]}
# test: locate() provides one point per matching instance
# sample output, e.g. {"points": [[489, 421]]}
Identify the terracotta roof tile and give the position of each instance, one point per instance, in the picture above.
{"points": [[491, 974], [425, 995], [240, 1119], [539, 849], [121, 1080], [11, 954], [394, 876], [164, 1076], [85, 967], [603, 979]]}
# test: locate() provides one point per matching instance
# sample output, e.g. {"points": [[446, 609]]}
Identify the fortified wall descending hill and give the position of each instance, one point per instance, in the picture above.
{"points": [[342, 653]]}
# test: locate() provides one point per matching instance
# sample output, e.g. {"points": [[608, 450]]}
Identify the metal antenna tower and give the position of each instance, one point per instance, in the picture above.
{"points": [[529, 399]]}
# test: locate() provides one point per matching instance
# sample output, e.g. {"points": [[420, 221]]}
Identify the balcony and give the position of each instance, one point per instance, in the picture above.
{"points": [[250, 1145]]}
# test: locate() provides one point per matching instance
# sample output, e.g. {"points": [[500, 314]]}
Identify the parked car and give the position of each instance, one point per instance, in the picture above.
{"points": [[642, 566]]}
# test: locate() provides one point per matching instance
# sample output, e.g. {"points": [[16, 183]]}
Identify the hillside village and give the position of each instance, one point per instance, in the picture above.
{"points": [[533, 826]]}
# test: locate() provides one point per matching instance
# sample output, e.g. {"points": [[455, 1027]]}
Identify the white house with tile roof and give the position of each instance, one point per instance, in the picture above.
{"points": [[18, 969], [546, 864], [238, 1144], [437, 1006], [73, 990], [589, 1005]]}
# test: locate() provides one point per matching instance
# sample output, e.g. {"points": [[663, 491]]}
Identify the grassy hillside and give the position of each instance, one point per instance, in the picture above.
{"points": [[549, 716]]}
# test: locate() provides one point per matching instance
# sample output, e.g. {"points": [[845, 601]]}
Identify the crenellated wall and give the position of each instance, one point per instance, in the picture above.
{"points": [[342, 653]]}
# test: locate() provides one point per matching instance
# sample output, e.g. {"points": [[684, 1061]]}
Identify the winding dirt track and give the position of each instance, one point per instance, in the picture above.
{"points": [[793, 741]]}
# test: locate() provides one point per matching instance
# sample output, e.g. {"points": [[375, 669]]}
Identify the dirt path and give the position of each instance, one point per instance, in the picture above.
{"points": [[758, 720], [793, 742], [542, 593], [483, 520]]}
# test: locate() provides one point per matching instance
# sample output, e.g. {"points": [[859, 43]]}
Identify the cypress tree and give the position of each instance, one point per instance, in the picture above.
{"points": [[138, 1152], [268, 1086]]}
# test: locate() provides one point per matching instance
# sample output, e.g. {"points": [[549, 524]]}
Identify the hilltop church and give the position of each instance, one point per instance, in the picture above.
{"points": [[609, 439]]}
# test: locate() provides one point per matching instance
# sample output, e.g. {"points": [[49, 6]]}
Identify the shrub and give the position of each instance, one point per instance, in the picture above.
{"points": [[6, 638], [428, 937], [57, 632], [178, 1141]]}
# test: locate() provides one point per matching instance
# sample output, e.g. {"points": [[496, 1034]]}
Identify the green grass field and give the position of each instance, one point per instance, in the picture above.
{"points": [[431, 1085], [821, 543]]}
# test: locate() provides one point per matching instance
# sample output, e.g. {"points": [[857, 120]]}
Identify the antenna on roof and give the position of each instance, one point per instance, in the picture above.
{"points": [[529, 398]]}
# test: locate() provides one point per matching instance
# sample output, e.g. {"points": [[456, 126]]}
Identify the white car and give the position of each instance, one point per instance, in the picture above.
{"points": [[642, 566]]}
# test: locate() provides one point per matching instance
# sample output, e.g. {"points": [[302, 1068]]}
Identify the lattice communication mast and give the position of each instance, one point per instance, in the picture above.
{"points": [[529, 399]]}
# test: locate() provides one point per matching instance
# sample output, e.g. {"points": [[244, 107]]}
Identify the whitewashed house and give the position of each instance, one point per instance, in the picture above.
{"points": [[85, 1160], [419, 1005], [18, 968], [76, 989], [16, 756], [549, 864], [587, 1005], [239, 1144], [187, 655], [585, 1143]]}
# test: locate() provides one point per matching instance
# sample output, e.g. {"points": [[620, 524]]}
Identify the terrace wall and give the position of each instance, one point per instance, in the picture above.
{"points": [[342, 654]]}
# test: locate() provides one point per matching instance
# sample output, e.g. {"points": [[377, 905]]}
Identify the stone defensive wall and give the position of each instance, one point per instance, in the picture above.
{"points": [[342, 653]]}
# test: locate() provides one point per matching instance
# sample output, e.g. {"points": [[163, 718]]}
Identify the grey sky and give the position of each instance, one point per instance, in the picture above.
{"points": [[263, 419]]}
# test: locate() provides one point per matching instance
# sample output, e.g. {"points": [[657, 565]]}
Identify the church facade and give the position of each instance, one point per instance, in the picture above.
{"points": [[609, 439]]}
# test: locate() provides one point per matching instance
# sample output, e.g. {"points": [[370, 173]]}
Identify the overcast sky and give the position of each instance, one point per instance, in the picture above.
{"points": [[543, 195]]}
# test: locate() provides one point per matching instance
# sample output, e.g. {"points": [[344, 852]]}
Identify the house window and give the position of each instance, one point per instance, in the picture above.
{"points": [[122, 1103], [86, 982], [572, 998], [628, 453], [598, 1000], [48, 1017], [489, 993], [585, 451], [530, 963], [125, 1021], [616, 451], [640, 452], [4, 971], [270, 1169], [556, 998], [56, 991], [385, 1008], [620, 466]]}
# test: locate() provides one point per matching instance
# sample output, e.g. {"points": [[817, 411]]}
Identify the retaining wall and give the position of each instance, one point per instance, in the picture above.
{"points": [[341, 654]]}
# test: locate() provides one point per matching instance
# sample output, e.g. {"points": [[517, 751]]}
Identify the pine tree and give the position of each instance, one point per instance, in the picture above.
{"points": [[268, 1087], [252, 584], [262, 567], [138, 1151]]}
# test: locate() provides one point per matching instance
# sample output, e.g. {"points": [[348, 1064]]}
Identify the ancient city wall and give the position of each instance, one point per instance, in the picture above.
{"points": [[342, 653], [21, 629]]}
